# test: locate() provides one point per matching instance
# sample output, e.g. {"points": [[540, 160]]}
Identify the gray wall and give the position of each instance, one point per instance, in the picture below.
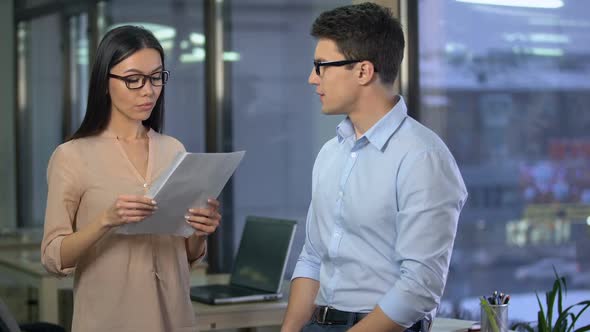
{"points": [[7, 126]]}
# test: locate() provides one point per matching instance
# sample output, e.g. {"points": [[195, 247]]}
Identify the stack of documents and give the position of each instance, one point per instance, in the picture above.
{"points": [[191, 179]]}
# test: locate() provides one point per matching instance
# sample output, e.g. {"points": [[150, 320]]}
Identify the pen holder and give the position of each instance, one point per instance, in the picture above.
{"points": [[498, 313]]}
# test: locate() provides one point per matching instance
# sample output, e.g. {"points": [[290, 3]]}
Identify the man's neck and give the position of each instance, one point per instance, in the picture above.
{"points": [[370, 111]]}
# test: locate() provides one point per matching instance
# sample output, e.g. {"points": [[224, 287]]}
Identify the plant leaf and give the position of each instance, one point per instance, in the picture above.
{"points": [[583, 328], [560, 281], [560, 319], [543, 327], [585, 305], [550, 299], [565, 322], [541, 316]]}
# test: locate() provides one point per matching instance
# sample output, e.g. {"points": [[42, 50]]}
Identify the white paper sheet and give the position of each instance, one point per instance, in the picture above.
{"points": [[197, 177]]}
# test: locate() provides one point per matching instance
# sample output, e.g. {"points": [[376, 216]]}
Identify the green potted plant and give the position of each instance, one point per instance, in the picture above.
{"points": [[566, 318]]}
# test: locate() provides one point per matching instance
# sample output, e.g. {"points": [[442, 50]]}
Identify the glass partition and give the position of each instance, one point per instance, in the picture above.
{"points": [[276, 117], [506, 88], [178, 25], [40, 111]]}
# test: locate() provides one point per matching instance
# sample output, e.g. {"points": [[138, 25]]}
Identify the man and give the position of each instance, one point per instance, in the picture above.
{"points": [[386, 191]]}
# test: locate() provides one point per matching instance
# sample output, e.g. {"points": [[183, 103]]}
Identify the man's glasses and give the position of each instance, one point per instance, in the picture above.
{"points": [[319, 64], [137, 81]]}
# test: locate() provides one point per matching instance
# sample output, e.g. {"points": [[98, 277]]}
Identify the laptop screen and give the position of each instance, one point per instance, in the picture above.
{"points": [[263, 253]]}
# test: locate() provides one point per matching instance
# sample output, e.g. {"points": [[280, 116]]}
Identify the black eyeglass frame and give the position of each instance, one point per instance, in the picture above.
{"points": [[164, 78], [339, 63]]}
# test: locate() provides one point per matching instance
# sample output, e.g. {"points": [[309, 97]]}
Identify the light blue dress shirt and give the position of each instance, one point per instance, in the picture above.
{"points": [[382, 219]]}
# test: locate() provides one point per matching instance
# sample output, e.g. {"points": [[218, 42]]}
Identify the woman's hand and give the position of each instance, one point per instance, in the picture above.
{"points": [[129, 209], [204, 220]]}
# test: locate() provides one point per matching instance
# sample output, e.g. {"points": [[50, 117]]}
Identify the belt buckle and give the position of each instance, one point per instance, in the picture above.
{"points": [[322, 314]]}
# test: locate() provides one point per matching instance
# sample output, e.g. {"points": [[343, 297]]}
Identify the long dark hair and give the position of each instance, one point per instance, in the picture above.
{"points": [[117, 45]]}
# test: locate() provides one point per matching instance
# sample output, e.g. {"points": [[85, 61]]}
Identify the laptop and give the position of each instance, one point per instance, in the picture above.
{"points": [[260, 263]]}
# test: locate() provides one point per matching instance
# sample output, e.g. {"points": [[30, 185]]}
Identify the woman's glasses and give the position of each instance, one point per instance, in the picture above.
{"points": [[137, 81]]}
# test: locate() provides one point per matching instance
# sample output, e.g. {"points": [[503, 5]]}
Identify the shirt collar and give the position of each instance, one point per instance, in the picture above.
{"points": [[344, 130], [380, 132]]}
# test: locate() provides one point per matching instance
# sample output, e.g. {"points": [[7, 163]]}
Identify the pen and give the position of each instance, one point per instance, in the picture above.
{"points": [[506, 299]]}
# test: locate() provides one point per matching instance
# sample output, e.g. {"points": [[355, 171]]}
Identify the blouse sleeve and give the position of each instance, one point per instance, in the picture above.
{"points": [[194, 263], [63, 198]]}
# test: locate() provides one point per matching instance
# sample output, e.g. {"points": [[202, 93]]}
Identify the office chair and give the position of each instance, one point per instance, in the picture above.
{"points": [[9, 324], [7, 321]]}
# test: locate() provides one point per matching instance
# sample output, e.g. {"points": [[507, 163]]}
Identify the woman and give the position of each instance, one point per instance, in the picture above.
{"points": [[96, 182]]}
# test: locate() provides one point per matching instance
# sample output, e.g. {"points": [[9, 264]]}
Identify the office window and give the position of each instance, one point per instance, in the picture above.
{"points": [[23, 4], [40, 111], [178, 25], [78, 69], [506, 87], [275, 114]]}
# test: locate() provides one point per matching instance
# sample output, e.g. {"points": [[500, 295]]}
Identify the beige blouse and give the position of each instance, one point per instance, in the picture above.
{"points": [[124, 282]]}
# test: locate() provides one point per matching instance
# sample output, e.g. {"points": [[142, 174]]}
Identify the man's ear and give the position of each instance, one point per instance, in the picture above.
{"points": [[366, 72]]}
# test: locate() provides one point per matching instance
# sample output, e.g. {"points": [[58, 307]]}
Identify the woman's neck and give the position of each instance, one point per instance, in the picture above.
{"points": [[127, 131]]}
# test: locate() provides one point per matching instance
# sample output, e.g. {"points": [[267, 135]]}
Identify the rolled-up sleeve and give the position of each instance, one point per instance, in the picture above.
{"points": [[431, 194], [63, 197], [308, 264], [197, 261]]}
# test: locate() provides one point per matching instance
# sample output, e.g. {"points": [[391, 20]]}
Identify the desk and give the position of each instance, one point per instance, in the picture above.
{"points": [[25, 268], [451, 325], [235, 316], [259, 314]]}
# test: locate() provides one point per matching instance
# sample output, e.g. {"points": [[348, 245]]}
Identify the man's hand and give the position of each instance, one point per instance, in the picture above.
{"points": [[301, 304]]}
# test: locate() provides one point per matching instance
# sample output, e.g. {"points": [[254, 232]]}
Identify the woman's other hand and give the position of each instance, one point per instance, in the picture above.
{"points": [[129, 209], [204, 220]]}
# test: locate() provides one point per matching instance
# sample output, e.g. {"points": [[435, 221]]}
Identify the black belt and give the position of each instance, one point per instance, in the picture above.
{"points": [[329, 316], [324, 315]]}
